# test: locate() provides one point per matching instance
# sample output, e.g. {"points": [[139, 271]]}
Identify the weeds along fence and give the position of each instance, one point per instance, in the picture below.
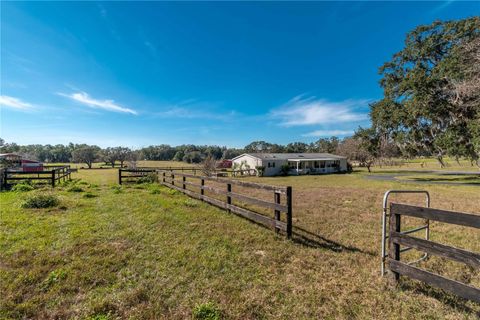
{"points": [[397, 239], [52, 175], [245, 200]]}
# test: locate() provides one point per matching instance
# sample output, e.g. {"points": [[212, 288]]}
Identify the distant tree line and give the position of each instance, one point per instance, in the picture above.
{"points": [[352, 147]]}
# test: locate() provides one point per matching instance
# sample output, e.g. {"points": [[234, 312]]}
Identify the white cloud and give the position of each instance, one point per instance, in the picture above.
{"points": [[312, 111], [328, 133], [14, 103], [108, 105]]}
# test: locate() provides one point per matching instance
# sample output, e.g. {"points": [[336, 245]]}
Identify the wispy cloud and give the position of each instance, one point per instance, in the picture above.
{"points": [[108, 105], [193, 109], [328, 133], [187, 113], [302, 111], [15, 103]]}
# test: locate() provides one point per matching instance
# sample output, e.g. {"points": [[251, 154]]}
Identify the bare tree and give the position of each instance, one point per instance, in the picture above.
{"points": [[209, 166]]}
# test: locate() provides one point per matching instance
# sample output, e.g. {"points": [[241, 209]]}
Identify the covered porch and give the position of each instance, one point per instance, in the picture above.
{"points": [[313, 166]]}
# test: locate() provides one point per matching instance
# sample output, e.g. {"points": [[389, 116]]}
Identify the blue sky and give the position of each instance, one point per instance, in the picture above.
{"points": [[225, 73]]}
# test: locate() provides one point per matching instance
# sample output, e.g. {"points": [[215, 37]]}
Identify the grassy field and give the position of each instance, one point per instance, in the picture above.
{"points": [[147, 252], [430, 164]]}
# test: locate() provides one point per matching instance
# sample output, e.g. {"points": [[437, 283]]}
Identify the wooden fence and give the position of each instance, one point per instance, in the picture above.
{"points": [[397, 239], [54, 175], [132, 175], [171, 180]]}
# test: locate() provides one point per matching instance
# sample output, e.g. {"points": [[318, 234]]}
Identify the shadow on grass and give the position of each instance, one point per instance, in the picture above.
{"points": [[438, 294], [312, 240], [465, 180]]}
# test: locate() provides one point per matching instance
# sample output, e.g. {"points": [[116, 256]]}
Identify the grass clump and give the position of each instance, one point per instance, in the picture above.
{"points": [[89, 195], [54, 277], [22, 187], [75, 189], [117, 189], [190, 203], [101, 316], [206, 311], [154, 191], [40, 201], [149, 178]]}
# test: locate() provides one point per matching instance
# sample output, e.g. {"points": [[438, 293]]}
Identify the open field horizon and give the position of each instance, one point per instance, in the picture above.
{"points": [[145, 251]]}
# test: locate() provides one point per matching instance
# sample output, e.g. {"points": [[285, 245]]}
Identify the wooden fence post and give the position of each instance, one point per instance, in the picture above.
{"points": [[53, 178], [394, 248], [289, 212], [173, 178], [5, 178], [229, 198], [183, 184], [119, 176], [163, 176], [202, 192], [276, 198]]}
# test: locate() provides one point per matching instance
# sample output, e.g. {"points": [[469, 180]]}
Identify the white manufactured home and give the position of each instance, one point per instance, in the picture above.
{"points": [[298, 163]]}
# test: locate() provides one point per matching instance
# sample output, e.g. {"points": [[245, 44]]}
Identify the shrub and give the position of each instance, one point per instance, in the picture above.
{"points": [[22, 187], [260, 170], [89, 195], [75, 189], [284, 169], [149, 178], [40, 201], [349, 167], [206, 311]]}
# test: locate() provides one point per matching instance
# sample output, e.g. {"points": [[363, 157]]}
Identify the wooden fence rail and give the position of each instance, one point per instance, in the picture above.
{"points": [[133, 174], [171, 180], [54, 175], [397, 239]]}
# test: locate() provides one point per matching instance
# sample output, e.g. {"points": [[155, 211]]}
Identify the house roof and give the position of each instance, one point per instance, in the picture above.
{"points": [[293, 156]]}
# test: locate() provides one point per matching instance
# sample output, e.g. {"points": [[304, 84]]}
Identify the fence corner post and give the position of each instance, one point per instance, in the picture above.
{"points": [[289, 212], [393, 248]]}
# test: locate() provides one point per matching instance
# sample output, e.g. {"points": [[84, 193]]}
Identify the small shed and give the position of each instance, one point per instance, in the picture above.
{"points": [[31, 165], [19, 163]]}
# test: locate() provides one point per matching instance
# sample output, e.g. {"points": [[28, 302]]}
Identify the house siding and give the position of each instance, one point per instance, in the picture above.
{"points": [[273, 166]]}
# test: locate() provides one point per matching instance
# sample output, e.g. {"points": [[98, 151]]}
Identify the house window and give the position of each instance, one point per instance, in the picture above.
{"points": [[273, 164], [322, 164], [315, 164], [268, 165]]}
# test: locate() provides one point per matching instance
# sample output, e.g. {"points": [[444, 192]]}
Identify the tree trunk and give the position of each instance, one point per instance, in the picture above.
{"points": [[440, 160]]}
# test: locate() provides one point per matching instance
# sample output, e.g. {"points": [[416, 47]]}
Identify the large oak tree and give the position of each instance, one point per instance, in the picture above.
{"points": [[431, 102]]}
